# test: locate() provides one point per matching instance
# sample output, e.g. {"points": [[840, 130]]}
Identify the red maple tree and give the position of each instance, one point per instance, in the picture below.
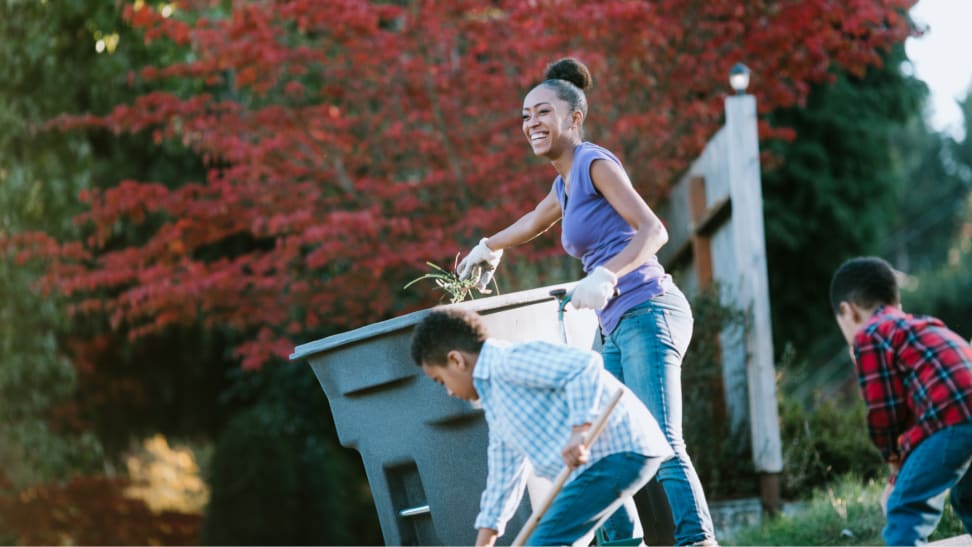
{"points": [[348, 142]]}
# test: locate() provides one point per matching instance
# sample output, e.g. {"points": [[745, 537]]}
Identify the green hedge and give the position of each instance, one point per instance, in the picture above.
{"points": [[824, 440], [722, 458], [278, 475], [823, 437]]}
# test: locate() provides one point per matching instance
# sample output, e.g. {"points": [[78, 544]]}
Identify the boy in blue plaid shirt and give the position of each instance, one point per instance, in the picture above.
{"points": [[539, 400]]}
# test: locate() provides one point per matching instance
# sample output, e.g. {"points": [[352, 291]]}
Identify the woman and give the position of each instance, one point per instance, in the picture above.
{"points": [[646, 322]]}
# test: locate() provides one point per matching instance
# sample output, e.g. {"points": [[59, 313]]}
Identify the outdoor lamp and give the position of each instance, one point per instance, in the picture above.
{"points": [[739, 78]]}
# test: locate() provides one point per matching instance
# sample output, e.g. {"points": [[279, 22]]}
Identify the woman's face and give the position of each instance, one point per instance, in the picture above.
{"points": [[548, 123]]}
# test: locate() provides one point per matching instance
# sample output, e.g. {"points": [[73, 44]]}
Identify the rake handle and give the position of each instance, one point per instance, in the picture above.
{"points": [[558, 484]]}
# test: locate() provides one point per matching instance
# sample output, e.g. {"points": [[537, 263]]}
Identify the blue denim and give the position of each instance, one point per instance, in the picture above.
{"points": [[645, 352], [600, 496], [939, 463]]}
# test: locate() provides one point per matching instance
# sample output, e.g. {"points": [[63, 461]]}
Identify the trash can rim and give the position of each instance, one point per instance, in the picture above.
{"points": [[508, 300]]}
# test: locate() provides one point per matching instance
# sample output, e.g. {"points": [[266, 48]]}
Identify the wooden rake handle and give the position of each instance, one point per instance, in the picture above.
{"points": [[561, 479]]}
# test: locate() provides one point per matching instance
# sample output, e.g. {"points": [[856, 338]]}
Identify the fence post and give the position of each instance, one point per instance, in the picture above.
{"points": [[752, 291]]}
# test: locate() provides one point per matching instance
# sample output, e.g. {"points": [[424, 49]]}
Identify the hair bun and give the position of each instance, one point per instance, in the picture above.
{"points": [[572, 70]]}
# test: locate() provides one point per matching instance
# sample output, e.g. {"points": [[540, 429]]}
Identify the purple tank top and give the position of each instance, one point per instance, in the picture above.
{"points": [[594, 232]]}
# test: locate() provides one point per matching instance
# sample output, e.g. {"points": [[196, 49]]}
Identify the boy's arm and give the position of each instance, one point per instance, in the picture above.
{"points": [[883, 392], [486, 537], [894, 467], [583, 389], [505, 480]]}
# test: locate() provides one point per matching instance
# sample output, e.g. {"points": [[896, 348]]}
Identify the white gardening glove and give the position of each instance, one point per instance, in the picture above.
{"points": [[595, 290], [479, 263]]}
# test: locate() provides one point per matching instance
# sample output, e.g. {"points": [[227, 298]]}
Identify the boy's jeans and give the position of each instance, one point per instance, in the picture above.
{"points": [[601, 494], [645, 352], [938, 463]]}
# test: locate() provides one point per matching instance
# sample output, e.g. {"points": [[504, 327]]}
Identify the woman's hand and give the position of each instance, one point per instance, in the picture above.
{"points": [[479, 264], [595, 290]]}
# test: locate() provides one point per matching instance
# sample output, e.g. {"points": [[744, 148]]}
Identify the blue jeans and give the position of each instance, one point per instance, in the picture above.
{"points": [[601, 495], [645, 352], [939, 463]]}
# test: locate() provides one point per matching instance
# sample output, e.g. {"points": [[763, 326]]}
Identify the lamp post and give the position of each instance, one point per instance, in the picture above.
{"points": [[752, 291], [739, 78]]}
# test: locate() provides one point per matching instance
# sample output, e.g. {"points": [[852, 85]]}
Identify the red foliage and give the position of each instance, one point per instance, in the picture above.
{"points": [[92, 511], [351, 141]]}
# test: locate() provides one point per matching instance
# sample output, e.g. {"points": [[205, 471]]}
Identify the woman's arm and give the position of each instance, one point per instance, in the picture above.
{"points": [[650, 234], [529, 226]]}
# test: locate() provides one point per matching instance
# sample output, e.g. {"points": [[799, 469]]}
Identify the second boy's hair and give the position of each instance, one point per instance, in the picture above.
{"points": [[866, 281], [444, 330]]}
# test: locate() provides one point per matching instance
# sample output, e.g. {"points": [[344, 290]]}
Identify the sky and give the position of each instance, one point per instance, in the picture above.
{"points": [[942, 58]]}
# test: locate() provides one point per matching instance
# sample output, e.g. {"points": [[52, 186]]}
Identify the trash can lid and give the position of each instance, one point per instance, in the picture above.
{"points": [[482, 305]]}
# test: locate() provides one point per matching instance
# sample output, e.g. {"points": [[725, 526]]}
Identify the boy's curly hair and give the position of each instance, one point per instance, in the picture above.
{"points": [[867, 281], [444, 330]]}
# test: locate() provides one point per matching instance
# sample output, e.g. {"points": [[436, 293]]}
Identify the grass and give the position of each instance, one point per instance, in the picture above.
{"points": [[848, 512]]}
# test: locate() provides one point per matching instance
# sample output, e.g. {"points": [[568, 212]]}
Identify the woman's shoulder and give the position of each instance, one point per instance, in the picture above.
{"points": [[587, 152]]}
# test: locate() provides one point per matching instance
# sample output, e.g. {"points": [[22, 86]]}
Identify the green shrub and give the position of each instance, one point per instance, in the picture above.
{"points": [[722, 458], [822, 438], [278, 475], [848, 512], [825, 440]]}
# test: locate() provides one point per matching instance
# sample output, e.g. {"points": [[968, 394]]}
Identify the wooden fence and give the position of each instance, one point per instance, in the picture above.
{"points": [[714, 217]]}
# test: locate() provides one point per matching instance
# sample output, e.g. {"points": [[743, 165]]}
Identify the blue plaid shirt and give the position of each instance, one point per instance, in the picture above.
{"points": [[533, 393]]}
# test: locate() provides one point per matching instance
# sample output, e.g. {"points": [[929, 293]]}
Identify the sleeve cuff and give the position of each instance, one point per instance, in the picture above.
{"points": [[580, 417]]}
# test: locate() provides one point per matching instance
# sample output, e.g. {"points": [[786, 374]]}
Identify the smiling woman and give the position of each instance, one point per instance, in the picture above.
{"points": [[646, 322], [569, 81]]}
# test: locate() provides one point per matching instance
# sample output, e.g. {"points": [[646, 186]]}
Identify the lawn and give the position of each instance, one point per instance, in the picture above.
{"points": [[848, 512]]}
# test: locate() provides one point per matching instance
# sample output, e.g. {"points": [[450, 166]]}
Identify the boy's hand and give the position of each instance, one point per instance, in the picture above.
{"points": [[888, 488], [574, 452], [486, 537], [894, 466]]}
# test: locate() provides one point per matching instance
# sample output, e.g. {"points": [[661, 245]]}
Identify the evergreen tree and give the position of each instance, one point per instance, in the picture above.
{"points": [[931, 201], [46, 52], [78, 57], [832, 197], [87, 373], [279, 476], [963, 150], [945, 290]]}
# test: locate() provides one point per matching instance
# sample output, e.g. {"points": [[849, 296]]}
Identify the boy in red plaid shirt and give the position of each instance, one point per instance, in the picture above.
{"points": [[916, 378]]}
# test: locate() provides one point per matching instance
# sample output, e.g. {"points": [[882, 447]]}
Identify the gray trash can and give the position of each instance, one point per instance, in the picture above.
{"points": [[424, 452]]}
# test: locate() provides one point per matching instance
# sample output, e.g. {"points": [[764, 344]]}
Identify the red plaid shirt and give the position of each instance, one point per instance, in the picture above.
{"points": [[916, 378]]}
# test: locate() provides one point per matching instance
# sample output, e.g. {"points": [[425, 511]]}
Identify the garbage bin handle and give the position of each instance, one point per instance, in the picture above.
{"points": [[414, 511]]}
